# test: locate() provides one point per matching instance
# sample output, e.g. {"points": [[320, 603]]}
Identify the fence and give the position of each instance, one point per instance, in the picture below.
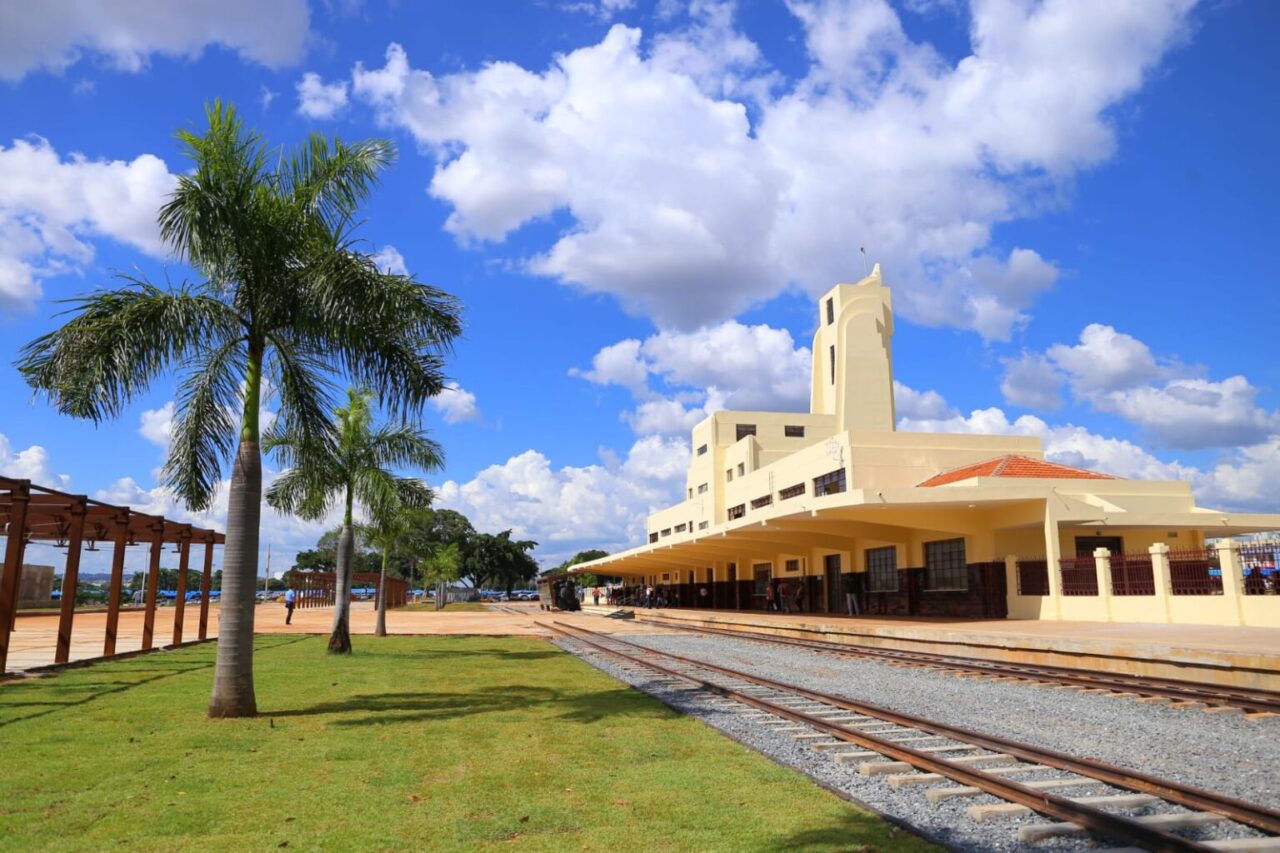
{"points": [[1033, 577], [1258, 564], [1079, 575], [1195, 572], [1131, 575]]}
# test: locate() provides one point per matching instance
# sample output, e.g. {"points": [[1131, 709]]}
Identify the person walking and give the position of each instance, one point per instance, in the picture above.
{"points": [[799, 597], [290, 600], [784, 596], [770, 598], [595, 595]]}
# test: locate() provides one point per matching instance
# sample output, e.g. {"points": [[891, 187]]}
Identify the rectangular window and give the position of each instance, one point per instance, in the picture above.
{"points": [[691, 493], [944, 565], [728, 475], [764, 501], [793, 431], [702, 525], [882, 569], [702, 489], [791, 492], [702, 450], [653, 537], [833, 365], [742, 468], [681, 528], [666, 531], [793, 565], [745, 430], [738, 511], [831, 311], [829, 484]]}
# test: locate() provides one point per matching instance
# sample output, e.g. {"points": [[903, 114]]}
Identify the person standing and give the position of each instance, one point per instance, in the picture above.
{"points": [[770, 598], [290, 600], [595, 595]]}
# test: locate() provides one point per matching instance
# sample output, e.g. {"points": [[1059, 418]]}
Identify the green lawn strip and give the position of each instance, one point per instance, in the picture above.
{"points": [[430, 606], [441, 743]]}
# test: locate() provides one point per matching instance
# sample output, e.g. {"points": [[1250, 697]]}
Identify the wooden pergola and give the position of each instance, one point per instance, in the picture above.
{"points": [[32, 513]]}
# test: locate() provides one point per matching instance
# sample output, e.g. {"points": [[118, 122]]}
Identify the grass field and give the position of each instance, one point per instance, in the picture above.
{"points": [[440, 743], [456, 606]]}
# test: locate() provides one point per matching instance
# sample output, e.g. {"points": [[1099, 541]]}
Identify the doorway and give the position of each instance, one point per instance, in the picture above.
{"points": [[1085, 545], [835, 590], [763, 573]]}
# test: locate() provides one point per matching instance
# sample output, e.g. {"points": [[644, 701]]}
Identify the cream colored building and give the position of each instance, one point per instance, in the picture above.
{"points": [[839, 505]]}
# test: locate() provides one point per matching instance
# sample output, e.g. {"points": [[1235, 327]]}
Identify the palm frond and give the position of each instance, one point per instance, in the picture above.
{"points": [[334, 180], [204, 435], [405, 446], [306, 492]]}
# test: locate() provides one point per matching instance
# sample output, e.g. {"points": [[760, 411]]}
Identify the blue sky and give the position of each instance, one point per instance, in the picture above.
{"points": [[1075, 205]]}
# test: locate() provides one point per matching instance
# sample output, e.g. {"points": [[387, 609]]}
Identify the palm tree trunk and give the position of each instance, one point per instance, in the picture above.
{"points": [[340, 634], [381, 629], [233, 694]]}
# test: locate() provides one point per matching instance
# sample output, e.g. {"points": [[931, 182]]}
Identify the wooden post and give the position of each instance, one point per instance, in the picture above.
{"points": [[206, 581], [180, 605], [153, 585], [117, 582], [15, 548], [70, 581]]}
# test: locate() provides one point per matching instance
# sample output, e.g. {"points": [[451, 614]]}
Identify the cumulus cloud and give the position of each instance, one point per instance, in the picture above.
{"points": [[51, 207], [1031, 380], [55, 34], [456, 404], [696, 181], [31, 463], [389, 260], [156, 425], [320, 100]]}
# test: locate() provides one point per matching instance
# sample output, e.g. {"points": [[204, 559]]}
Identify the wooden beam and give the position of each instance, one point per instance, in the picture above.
{"points": [[117, 582], [153, 585], [180, 605], [206, 581], [15, 547], [70, 583]]}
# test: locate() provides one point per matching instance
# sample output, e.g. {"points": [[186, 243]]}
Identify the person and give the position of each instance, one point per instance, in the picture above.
{"points": [[290, 600], [595, 594], [702, 597], [770, 598], [784, 596], [648, 597], [799, 599]]}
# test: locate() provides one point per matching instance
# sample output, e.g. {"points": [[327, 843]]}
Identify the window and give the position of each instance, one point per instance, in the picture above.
{"points": [[793, 431], [702, 525], [833, 365], [882, 569], [829, 484], [831, 311], [745, 430], [737, 511], [681, 528], [944, 565], [653, 537], [764, 501], [702, 489], [691, 493], [728, 475], [793, 565], [742, 468], [791, 492], [702, 450], [666, 531]]}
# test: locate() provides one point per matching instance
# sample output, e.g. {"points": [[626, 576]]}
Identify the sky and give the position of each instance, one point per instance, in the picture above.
{"points": [[1075, 204]]}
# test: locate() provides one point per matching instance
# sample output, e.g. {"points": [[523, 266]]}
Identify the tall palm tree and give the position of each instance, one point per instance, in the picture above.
{"points": [[389, 533], [356, 468], [286, 297]]}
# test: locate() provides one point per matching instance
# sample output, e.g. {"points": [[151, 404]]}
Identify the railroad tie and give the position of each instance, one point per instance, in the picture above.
{"points": [[906, 779], [938, 795], [1041, 831]]}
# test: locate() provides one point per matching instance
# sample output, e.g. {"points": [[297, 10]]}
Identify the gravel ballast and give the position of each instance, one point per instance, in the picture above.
{"points": [[1220, 752]]}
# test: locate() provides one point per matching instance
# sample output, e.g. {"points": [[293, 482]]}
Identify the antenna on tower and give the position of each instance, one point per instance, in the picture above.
{"points": [[865, 270]]}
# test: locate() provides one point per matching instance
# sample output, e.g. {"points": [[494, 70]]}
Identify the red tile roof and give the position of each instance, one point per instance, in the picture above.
{"points": [[1015, 466]]}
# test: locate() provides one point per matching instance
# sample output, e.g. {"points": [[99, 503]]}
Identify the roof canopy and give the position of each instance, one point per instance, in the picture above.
{"points": [[1012, 465]]}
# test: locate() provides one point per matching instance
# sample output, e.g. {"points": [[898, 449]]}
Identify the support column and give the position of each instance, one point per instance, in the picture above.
{"points": [[14, 550], [1102, 566], [1161, 575], [70, 581], [1053, 559], [1011, 585], [153, 586], [206, 580], [180, 605], [117, 583], [1232, 578]]}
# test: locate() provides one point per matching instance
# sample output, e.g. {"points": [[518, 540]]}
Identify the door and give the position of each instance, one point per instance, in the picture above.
{"points": [[835, 589], [763, 573], [1085, 545]]}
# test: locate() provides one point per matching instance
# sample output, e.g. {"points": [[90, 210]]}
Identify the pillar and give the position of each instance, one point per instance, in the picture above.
{"points": [[1102, 564], [1011, 585], [1160, 574], [70, 581], [1053, 561], [206, 581], [1232, 578], [117, 583], [153, 586], [180, 605], [14, 550]]}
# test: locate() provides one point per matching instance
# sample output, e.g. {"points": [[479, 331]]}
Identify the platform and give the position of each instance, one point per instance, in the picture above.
{"points": [[1243, 657]]}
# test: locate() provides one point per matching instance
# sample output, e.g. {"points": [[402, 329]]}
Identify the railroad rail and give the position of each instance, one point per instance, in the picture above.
{"points": [[1184, 693], [915, 751]]}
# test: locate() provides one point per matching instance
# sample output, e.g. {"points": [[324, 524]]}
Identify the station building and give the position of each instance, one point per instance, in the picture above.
{"points": [[862, 519]]}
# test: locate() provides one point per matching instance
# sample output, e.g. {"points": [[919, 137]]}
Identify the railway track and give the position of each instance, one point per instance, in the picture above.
{"points": [[952, 762], [1190, 694]]}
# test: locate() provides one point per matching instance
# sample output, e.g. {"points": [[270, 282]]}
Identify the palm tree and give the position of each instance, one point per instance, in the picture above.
{"points": [[441, 566], [286, 298], [356, 468], [388, 532]]}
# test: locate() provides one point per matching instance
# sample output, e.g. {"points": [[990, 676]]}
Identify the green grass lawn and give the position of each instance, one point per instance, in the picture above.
{"points": [[430, 606], [412, 743]]}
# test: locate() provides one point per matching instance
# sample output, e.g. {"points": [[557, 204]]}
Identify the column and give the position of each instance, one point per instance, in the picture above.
{"points": [[15, 548], [206, 581], [1053, 562], [117, 582], [1232, 578], [180, 605], [1160, 574], [1102, 563], [70, 581], [1011, 584], [153, 585]]}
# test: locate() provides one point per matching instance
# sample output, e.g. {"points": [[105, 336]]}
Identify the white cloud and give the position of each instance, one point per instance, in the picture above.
{"points": [[1031, 380], [603, 9], [389, 260], [266, 96], [456, 404], [156, 425], [50, 207], [55, 34], [572, 508], [911, 404], [31, 463], [697, 183], [1106, 360], [320, 100]]}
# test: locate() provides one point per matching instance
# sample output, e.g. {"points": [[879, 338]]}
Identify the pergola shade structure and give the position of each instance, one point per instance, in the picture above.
{"points": [[33, 513]]}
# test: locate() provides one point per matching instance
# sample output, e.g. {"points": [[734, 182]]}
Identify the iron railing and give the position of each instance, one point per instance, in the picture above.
{"points": [[1079, 575], [1033, 577], [1258, 565], [1131, 574], [1195, 571]]}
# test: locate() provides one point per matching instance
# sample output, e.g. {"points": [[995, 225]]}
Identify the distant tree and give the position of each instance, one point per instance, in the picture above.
{"points": [[316, 560], [586, 557], [499, 560]]}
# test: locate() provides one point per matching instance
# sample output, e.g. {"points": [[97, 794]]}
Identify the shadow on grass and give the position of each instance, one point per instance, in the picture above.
{"points": [[852, 833]]}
